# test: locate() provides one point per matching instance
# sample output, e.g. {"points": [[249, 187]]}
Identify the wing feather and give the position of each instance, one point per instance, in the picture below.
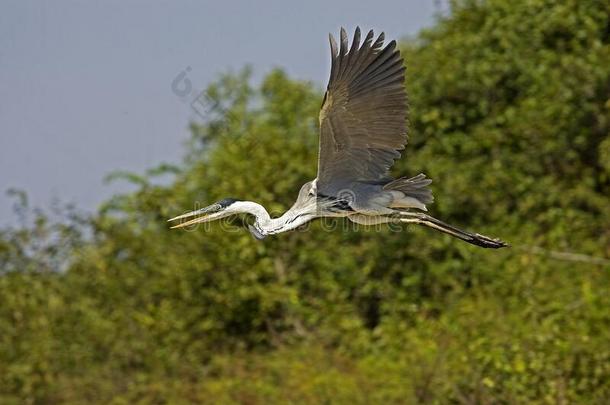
{"points": [[363, 119]]}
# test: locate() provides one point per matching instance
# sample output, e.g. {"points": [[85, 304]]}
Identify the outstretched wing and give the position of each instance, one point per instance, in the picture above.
{"points": [[363, 120]]}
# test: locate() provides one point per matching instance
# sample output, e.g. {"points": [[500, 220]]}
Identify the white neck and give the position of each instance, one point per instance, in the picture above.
{"points": [[264, 223]]}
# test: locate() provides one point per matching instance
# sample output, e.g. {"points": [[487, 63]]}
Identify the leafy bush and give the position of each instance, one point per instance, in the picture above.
{"points": [[510, 115]]}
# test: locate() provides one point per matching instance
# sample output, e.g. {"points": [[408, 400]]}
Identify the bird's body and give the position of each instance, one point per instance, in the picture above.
{"points": [[363, 127]]}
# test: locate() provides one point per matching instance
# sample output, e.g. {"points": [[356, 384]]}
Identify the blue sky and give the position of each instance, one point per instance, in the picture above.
{"points": [[86, 87]]}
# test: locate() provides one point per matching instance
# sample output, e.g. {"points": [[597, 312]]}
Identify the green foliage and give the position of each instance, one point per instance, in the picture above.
{"points": [[510, 113]]}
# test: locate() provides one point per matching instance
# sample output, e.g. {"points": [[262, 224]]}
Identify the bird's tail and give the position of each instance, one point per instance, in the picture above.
{"points": [[414, 187]]}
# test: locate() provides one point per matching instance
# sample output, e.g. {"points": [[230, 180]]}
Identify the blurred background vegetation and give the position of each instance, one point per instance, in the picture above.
{"points": [[510, 114]]}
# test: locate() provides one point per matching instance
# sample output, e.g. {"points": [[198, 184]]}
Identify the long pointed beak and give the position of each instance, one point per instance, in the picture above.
{"points": [[206, 214]]}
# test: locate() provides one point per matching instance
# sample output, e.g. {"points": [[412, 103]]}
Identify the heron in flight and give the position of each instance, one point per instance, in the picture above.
{"points": [[363, 127]]}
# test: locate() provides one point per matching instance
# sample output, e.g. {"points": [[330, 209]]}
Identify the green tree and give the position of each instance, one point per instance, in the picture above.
{"points": [[510, 112]]}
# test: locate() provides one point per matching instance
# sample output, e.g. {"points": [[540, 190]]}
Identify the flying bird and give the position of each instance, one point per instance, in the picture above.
{"points": [[363, 128]]}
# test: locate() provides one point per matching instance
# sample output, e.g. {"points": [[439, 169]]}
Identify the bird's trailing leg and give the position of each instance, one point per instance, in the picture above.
{"points": [[431, 222]]}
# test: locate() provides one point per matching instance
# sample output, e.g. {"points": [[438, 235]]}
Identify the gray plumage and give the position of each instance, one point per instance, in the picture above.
{"points": [[363, 120], [363, 128]]}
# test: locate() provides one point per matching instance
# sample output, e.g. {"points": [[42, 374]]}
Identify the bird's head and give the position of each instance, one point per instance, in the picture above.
{"points": [[218, 210], [306, 207]]}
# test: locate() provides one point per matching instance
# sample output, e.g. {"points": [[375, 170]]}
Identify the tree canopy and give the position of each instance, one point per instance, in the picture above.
{"points": [[509, 114]]}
